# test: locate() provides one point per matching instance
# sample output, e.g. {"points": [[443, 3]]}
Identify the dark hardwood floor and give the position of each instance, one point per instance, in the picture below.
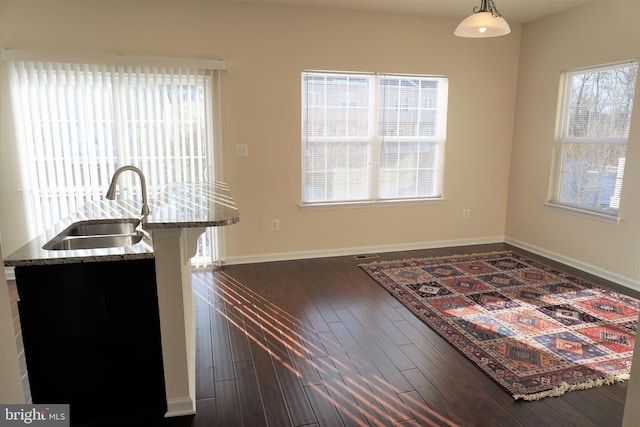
{"points": [[319, 343]]}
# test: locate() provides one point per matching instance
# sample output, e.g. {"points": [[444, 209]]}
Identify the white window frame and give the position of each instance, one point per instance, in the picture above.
{"points": [[374, 142], [610, 213]]}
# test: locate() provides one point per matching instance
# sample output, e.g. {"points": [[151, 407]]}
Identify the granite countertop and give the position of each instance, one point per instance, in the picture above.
{"points": [[178, 206], [193, 205]]}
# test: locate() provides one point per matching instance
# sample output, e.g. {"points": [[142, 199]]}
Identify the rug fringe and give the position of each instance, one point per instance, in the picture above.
{"points": [[566, 387]]}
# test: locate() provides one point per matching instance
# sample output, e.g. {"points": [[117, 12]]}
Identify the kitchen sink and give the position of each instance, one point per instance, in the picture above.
{"points": [[96, 234], [101, 227], [94, 242]]}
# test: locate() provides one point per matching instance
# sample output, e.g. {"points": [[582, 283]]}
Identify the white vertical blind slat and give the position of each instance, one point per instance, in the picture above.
{"points": [[195, 129], [72, 150], [214, 134], [150, 140], [159, 133], [102, 126], [80, 141], [19, 90], [166, 127], [40, 171], [137, 129], [89, 122], [53, 141], [201, 166], [174, 129], [180, 130], [48, 159], [63, 112]]}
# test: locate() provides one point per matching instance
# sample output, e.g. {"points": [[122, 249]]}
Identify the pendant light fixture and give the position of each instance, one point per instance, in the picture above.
{"points": [[484, 22]]}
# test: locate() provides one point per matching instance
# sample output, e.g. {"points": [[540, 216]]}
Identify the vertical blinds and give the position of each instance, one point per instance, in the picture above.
{"points": [[77, 123]]}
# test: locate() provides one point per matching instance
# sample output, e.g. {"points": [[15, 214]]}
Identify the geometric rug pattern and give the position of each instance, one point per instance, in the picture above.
{"points": [[533, 329]]}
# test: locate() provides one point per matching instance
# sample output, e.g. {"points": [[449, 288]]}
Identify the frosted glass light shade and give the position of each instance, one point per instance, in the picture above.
{"points": [[483, 24]]}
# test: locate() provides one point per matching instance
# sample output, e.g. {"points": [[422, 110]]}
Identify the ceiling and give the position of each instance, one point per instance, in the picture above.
{"points": [[516, 11]]}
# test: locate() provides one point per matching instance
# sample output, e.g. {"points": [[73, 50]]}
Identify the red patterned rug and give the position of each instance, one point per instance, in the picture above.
{"points": [[535, 330]]}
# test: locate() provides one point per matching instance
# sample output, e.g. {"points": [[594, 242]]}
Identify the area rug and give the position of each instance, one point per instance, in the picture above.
{"points": [[535, 330]]}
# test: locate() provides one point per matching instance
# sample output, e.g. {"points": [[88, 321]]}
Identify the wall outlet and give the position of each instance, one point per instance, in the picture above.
{"points": [[466, 213], [275, 224], [242, 150]]}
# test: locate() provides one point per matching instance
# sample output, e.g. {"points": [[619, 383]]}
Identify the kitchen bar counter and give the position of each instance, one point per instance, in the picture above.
{"points": [[177, 218], [178, 206], [193, 205]]}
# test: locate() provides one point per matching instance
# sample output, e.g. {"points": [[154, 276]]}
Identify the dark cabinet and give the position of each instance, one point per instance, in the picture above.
{"points": [[91, 335]]}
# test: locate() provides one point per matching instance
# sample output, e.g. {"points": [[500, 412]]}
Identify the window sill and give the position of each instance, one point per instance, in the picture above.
{"points": [[584, 213], [369, 204]]}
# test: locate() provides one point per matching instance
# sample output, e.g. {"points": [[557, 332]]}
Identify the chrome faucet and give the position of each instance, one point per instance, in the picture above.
{"points": [[111, 192]]}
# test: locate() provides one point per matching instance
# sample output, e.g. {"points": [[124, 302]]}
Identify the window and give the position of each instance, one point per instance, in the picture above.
{"points": [[369, 137], [594, 120], [77, 123]]}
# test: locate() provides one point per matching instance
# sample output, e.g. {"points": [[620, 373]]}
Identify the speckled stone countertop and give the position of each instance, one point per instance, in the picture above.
{"points": [[178, 206]]}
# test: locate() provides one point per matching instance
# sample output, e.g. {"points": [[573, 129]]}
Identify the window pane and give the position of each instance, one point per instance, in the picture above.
{"points": [[408, 106], [336, 171], [407, 169], [590, 175], [600, 103], [335, 105]]}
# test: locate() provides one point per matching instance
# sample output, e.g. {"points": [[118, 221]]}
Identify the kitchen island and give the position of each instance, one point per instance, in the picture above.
{"points": [[177, 217]]}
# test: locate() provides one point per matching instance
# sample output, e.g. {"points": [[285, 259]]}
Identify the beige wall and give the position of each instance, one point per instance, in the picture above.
{"points": [[266, 49], [598, 33]]}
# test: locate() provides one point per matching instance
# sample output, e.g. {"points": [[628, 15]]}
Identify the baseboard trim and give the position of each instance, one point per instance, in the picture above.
{"points": [[587, 268], [358, 250], [288, 256], [179, 407]]}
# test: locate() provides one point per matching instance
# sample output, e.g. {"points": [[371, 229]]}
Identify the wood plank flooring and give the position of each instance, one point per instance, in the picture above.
{"points": [[319, 343]]}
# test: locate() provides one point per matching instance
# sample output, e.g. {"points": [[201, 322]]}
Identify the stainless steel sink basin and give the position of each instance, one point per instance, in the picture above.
{"points": [[101, 227], [96, 234], [94, 242]]}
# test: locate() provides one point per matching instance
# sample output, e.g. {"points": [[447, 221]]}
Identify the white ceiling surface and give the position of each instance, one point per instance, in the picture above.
{"points": [[517, 11]]}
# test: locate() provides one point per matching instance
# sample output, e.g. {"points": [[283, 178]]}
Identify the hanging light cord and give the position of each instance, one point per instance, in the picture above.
{"points": [[488, 6]]}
